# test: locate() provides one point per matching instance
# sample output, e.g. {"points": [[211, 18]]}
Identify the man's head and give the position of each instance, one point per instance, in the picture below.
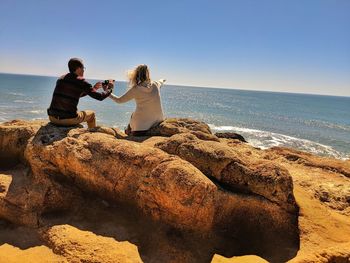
{"points": [[76, 66]]}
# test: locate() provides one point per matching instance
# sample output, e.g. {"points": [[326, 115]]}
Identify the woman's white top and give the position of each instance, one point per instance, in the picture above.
{"points": [[148, 105]]}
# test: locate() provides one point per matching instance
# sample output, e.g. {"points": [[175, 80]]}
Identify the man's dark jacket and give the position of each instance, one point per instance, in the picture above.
{"points": [[69, 89]]}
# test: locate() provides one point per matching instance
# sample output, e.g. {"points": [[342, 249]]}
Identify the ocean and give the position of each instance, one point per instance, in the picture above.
{"points": [[313, 123]]}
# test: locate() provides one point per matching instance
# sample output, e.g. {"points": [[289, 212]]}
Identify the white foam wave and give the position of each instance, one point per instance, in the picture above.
{"points": [[16, 93], [36, 111], [24, 101], [221, 105], [265, 139]]}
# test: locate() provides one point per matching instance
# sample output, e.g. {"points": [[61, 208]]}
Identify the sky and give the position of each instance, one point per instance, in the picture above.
{"points": [[274, 45]]}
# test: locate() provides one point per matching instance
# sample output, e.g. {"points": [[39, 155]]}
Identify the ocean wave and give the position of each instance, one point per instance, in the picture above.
{"points": [[301, 121], [220, 105], [37, 111], [265, 139], [16, 93], [325, 124], [24, 101]]}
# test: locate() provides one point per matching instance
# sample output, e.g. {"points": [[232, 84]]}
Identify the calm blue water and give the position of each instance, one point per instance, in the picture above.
{"points": [[318, 124]]}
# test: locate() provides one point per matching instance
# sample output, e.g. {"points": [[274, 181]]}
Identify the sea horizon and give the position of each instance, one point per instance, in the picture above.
{"points": [[310, 122], [184, 85]]}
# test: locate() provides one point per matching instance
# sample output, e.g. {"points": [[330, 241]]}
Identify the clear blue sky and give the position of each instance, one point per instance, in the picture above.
{"points": [[276, 45]]}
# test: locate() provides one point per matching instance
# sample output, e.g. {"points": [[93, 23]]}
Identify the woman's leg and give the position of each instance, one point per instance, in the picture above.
{"points": [[128, 130]]}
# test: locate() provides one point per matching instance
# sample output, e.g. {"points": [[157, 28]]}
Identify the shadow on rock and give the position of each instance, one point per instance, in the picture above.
{"points": [[162, 203], [156, 242], [50, 133], [19, 236]]}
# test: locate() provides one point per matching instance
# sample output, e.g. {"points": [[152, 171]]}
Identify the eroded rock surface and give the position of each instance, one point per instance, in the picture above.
{"points": [[230, 135], [174, 126], [83, 246], [325, 178], [307, 159], [239, 198], [163, 186], [226, 166], [25, 198], [14, 136]]}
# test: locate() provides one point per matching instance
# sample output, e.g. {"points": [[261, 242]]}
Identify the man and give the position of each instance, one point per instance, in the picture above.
{"points": [[69, 89]]}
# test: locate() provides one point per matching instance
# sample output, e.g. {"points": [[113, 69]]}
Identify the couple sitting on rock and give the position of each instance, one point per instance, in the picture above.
{"points": [[72, 86]]}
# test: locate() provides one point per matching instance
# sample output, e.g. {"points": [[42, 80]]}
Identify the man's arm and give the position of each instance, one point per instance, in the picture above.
{"points": [[92, 92]]}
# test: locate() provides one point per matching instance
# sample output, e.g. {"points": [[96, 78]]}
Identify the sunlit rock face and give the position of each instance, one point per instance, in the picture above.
{"points": [[241, 199]]}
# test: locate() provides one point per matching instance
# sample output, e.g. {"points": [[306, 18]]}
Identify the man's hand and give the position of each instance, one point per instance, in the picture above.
{"points": [[97, 86]]}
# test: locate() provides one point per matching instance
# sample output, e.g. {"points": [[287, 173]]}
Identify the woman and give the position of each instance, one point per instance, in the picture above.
{"points": [[146, 93]]}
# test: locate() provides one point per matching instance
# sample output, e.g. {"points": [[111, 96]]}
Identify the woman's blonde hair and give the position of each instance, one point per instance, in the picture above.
{"points": [[138, 75]]}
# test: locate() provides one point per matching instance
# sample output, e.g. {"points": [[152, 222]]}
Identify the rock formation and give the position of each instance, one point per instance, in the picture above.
{"points": [[219, 161], [214, 193]]}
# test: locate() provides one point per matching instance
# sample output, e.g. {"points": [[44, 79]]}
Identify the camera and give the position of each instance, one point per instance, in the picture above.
{"points": [[106, 82], [107, 87]]}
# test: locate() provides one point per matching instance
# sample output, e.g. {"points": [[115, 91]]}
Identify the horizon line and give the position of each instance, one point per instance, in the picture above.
{"points": [[204, 87]]}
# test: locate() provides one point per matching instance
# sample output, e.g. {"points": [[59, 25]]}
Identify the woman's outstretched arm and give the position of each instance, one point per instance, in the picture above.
{"points": [[129, 95], [159, 83]]}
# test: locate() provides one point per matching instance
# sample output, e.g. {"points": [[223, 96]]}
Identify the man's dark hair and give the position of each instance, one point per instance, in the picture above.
{"points": [[74, 64]]}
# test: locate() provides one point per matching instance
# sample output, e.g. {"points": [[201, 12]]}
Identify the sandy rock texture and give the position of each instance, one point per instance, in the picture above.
{"points": [[181, 194], [13, 140], [324, 220], [221, 162], [78, 246]]}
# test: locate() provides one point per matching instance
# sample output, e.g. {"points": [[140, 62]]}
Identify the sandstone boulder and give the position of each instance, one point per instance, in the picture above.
{"points": [[25, 198], [326, 178], [14, 136], [173, 126], [307, 159], [83, 246], [219, 161], [240, 199], [230, 135], [163, 186]]}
